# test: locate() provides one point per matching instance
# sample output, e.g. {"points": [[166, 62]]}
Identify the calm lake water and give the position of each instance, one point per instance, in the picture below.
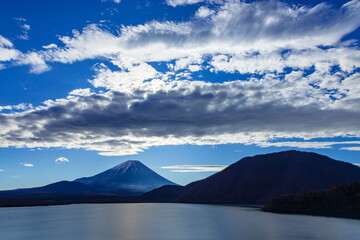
{"points": [[166, 222]]}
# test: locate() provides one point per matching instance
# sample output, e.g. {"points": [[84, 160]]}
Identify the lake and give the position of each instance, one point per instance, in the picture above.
{"points": [[167, 222]]}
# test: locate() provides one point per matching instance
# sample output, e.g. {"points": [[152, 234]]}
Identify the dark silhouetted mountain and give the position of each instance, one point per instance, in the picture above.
{"points": [[59, 193], [58, 188], [64, 187], [128, 178], [259, 179], [167, 193], [341, 201]]}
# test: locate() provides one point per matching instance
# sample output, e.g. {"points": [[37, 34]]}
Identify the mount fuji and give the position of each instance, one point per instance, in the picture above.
{"points": [[129, 178]]}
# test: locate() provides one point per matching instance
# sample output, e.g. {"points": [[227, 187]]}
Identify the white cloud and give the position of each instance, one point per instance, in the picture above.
{"points": [[240, 37], [115, 1], [61, 160], [25, 32], [52, 45], [266, 62], [314, 145], [351, 148], [35, 60], [81, 92], [185, 63], [5, 42], [125, 80], [204, 12], [21, 106], [27, 164], [175, 3], [7, 52], [20, 19], [2, 170], [196, 168], [93, 42], [195, 68], [25, 28]]}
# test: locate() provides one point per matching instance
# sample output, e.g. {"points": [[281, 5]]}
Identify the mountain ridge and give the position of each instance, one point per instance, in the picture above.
{"points": [[260, 178]]}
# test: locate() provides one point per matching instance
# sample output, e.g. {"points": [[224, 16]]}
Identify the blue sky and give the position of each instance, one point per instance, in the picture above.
{"points": [[174, 82]]}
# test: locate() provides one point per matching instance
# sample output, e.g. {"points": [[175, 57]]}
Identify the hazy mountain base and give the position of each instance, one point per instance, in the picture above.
{"points": [[342, 201], [52, 199]]}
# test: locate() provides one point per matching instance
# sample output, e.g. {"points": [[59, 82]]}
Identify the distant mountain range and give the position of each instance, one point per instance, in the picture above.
{"points": [[259, 179], [251, 180], [130, 178]]}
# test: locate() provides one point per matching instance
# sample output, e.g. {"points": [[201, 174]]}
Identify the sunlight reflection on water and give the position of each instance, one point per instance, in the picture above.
{"points": [[166, 222]]}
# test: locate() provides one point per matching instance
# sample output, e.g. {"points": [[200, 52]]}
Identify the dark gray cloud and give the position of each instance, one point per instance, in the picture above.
{"points": [[119, 123]]}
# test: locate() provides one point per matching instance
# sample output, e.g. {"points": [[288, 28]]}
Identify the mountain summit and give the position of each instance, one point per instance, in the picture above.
{"points": [[128, 178]]}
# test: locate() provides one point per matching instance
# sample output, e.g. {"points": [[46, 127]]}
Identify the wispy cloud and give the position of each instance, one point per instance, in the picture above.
{"points": [[351, 148], [256, 46], [13, 57], [25, 28], [18, 107], [115, 1], [50, 46], [35, 60], [62, 160], [195, 168], [2, 170], [314, 145], [7, 51], [27, 164], [175, 3]]}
